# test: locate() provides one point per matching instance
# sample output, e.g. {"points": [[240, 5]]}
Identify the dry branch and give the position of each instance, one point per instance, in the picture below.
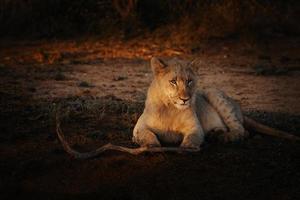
{"points": [[109, 146]]}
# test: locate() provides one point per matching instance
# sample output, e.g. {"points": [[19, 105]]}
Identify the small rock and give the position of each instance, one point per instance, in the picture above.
{"points": [[119, 78], [85, 84]]}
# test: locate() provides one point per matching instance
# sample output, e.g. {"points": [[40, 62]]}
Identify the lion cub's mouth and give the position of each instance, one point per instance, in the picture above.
{"points": [[182, 105]]}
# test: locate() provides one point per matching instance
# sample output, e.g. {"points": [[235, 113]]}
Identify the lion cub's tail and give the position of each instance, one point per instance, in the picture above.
{"points": [[266, 130]]}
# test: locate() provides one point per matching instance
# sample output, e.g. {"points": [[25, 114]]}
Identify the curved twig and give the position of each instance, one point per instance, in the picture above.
{"points": [[109, 146]]}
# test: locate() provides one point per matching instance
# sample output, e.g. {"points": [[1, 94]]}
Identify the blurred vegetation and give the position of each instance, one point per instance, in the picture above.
{"points": [[183, 20]]}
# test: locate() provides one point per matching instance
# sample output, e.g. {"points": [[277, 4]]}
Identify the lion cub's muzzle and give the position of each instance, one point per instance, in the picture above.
{"points": [[185, 99], [183, 102]]}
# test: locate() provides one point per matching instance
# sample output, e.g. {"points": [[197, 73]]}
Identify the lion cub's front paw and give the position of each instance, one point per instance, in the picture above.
{"points": [[151, 145], [190, 145], [235, 136], [146, 140], [192, 142]]}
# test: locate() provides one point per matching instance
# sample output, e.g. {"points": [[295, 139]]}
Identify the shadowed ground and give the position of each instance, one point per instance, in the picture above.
{"points": [[101, 101]]}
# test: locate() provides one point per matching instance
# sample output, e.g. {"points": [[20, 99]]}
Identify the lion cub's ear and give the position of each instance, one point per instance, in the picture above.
{"points": [[194, 65], [157, 65]]}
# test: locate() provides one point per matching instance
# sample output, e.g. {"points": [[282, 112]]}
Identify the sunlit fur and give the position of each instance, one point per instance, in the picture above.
{"points": [[181, 93], [177, 112]]}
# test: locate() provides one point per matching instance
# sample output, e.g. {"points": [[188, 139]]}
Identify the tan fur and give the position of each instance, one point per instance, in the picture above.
{"points": [[165, 120]]}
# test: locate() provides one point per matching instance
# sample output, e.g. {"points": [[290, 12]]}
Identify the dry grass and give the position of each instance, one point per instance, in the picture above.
{"points": [[87, 51]]}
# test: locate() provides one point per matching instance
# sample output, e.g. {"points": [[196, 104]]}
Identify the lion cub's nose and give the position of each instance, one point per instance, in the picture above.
{"points": [[184, 99]]}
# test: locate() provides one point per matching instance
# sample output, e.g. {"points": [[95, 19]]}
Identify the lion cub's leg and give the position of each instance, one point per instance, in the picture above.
{"points": [[193, 135], [230, 113], [192, 141], [145, 137]]}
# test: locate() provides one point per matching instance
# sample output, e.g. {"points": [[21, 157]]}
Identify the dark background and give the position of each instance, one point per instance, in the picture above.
{"points": [[102, 18]]}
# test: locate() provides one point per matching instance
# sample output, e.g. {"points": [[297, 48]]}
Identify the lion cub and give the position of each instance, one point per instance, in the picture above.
{"points": [[177, 112]]}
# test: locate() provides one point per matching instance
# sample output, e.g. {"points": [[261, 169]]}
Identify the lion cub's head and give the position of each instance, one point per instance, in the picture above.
{"points": [[176, 81]]}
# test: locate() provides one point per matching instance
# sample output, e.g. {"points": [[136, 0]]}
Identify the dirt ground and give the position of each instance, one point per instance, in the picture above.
{"points": [[102, 86]]}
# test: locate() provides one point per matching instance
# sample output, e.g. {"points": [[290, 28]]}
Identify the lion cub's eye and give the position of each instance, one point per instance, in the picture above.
{"points": [[189, 82], [173, 82]]}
